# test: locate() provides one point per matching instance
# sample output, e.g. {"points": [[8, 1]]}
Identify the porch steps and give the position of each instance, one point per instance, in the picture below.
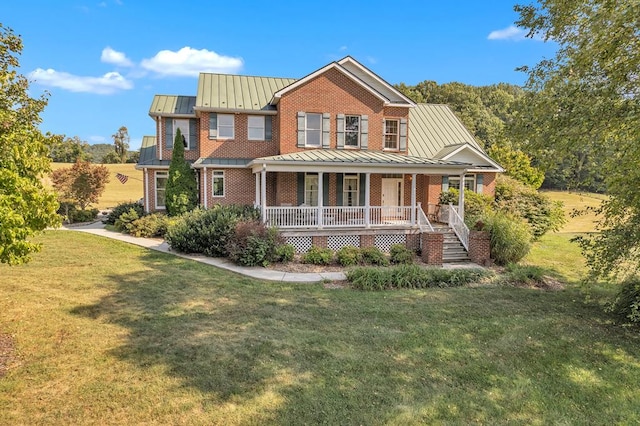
{"points": [[453, 251]]}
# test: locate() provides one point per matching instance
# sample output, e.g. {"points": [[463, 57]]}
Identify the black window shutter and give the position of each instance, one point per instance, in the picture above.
{"points": [[361, 188], [339, 188], [300, 188]]}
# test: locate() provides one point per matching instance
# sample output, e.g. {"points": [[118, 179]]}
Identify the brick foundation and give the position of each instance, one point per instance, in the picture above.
{"points": [[432, 248], [367, 241], [480, 247], [413, 241], [319, 241]]}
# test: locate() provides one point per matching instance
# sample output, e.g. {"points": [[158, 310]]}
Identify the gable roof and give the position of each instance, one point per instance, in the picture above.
{"points": [[224, 92], [148, 155], [361, 75], [173, 105]]}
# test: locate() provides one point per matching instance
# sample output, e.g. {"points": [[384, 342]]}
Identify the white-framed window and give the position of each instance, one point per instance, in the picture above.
{"points": [[226, 126], [161, 189], [352, 131], [183, 125], [255, 129], [313, 129], [217, 183], [311, 189], [469, 182], [391, 132], [350, 190]]}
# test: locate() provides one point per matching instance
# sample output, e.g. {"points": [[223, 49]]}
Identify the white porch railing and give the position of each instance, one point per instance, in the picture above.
{"points": [[341, 217], [459, 227], [423, 221]]}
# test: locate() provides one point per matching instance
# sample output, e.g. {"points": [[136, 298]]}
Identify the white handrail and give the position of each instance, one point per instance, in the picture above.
{"points": [[459, 227], [423, 220]]}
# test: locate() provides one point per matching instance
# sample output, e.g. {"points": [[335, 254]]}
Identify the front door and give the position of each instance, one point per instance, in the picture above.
{"points": [[392, 197]]}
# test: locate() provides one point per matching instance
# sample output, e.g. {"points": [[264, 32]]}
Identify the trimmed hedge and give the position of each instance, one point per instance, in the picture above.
{"points": [[412, 276]]}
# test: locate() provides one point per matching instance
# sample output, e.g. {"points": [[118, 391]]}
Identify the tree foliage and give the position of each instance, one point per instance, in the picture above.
{"points": [[69, 150], [121, 141], [182, 189], [587, 99], [26, 207], [81, 183]]}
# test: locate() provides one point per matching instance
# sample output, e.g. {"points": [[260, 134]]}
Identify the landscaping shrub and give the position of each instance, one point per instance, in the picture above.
{"points": [[510, 237], [373, 256], [524, 274], [411, 276], [125, 220], [150, 226], [399, 254], [121, 208], [253, 243], [318, 256], [207, 231], [626, 305], [349, 256], [72, 214], [285, 253]]}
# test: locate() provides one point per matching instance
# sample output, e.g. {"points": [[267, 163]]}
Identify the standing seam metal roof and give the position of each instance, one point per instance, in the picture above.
{"points": [[238, 92], [433, 127], [173, 105], [360, 157]]}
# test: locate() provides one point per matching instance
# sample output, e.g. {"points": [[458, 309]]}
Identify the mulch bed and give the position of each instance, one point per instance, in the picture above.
{"points": [[7, 349]]}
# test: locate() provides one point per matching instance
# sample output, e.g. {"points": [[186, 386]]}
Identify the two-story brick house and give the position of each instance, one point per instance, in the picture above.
{"points": [[337, 157]]}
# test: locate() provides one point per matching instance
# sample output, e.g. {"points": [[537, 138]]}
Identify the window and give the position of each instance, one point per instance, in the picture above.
{"points": [[313, 129], [256, 128], [469, 182], [217, 185], [311, 189], [183, 125], [352, 130], [390, 134], [161, 188], [350, 191], [225, 126]]}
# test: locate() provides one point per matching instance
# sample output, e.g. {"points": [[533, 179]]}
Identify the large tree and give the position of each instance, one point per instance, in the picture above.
{"points": [[81, 184], [26, 207], [182, 188], [69, 150], [121, 142], [587, 99]]}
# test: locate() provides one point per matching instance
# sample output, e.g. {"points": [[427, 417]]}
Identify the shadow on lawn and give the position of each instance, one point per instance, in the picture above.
{"points": [[297, 354]]}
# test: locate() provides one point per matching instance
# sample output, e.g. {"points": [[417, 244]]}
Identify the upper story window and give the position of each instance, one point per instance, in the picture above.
{"points": [[391, 134], [313, 129], [256, 127], [221, 126], [183, 125], [352, 131]]}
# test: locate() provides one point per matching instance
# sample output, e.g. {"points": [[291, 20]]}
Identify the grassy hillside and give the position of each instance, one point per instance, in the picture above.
{"points": [[116, 192], [576, 201]]}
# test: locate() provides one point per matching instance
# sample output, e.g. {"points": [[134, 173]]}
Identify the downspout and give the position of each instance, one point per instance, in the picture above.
{"points": [[204, 188], [160, 138], [147, 208]]}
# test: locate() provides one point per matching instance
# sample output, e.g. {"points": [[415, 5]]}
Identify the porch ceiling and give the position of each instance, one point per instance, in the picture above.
{"points": [[333, 160]]}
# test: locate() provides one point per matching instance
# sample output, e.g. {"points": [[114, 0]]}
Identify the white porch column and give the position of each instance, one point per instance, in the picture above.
{"points": [[263, 193], [367, 200], [204, 188], [413, 199], [320, 198], [256, 203], [461, 198]]}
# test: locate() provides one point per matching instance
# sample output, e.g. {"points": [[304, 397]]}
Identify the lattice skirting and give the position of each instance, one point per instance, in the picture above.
{"points": [[336, 242], [302, 244], [385, 241]]}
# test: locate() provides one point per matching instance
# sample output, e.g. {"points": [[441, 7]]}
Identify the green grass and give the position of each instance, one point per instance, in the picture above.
{"points": [[109, 333], [578, 201]]}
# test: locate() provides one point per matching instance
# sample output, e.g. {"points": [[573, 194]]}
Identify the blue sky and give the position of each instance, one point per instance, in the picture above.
{"points": [[102, 61]]}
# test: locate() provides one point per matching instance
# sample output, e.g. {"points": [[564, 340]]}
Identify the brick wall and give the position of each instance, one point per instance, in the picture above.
{"points": [[239, 187], [333, 93], [432, 248], [240, 146], [480, 247]]}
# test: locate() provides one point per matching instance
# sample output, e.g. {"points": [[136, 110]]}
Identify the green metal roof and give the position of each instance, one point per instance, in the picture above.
{"points": [[175, 105], [237, 92], [222, 162], [433, 127], [340, 156]]}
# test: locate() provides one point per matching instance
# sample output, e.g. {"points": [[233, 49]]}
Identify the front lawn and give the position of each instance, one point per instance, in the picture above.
{"points": [[109, 333]]}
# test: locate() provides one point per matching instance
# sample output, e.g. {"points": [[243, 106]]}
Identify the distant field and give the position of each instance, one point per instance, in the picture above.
{"points": [[578, 201], [116, 192]]}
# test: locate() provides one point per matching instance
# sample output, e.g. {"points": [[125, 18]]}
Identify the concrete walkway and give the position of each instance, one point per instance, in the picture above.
{"points": [[97, 228]]}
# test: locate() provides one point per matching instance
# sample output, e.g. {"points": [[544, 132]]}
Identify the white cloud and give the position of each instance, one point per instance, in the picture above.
{"points": [[109, 83], [111, 56], [342, 48], [190, 62], [510, 33]]}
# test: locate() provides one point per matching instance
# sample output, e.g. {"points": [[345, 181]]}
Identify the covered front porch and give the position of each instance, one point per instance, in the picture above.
{"points": [[341, 189]]}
